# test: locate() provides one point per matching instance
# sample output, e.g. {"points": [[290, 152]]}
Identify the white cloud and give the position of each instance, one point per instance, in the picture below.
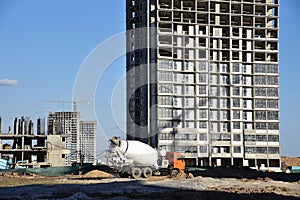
{"points": [[4, 82]]}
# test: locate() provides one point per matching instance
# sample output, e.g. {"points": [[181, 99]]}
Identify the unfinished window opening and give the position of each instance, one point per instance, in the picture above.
{"points": [[247, 21], [260, 1], [272, 23], [235, 8], [165, 16], [235, 55], [272, 11], [260, 56], [202, 19], [247, 9], [188, 5], [202, 42], [260, 10], [165, 4], [226, 33], [236, 21], [202, 30], [235, 32], [165, 52], [224, 20], [177, 16], [259, 33], [202, 6], [212, 7], [236, 44], [165, 27], [224, 8], [260, 45], [225, 55], [260, 22], [165, 40], [188, 17], [272, 57], [272, 46], [272, 34]]}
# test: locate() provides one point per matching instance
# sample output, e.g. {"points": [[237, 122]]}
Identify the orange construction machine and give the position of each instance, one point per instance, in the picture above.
{"points": [[176, 162]]}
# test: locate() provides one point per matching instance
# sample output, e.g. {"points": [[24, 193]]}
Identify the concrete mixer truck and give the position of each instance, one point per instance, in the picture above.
{"points": [[136, 159]]}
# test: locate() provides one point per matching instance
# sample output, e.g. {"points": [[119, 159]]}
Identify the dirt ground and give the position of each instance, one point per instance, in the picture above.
{"points": [[289, 161], [100, 185]]}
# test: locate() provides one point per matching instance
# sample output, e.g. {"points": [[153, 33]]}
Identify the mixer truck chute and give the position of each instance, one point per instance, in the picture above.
{"points": [[134, 158]]}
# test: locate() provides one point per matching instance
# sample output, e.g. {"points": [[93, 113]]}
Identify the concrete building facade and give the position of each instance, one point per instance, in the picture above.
{"points": [[203, 79]]}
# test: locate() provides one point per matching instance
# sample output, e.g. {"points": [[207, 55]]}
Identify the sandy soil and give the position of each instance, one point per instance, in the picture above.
{"points": [[92, 186]]}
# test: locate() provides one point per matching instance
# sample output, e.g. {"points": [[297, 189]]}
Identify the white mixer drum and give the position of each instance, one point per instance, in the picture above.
{"points": [[141, 153]]}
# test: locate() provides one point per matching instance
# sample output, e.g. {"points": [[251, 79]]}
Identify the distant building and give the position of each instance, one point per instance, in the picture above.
{"points": [[88, 141], [66, 124], [57, 151], [41, 126]]}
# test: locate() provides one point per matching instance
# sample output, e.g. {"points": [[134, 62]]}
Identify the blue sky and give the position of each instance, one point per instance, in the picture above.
{"points": [[44, 43]]}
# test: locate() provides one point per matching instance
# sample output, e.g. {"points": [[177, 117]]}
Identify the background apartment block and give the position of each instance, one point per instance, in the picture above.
{"points": [[210, 67], [77, 136], [88, 141], [66, 124]]}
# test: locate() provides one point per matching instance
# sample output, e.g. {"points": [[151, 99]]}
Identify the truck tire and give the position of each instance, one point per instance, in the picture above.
{"points": [[136, 172], [174, 173], [123, 175], [147, 172]]}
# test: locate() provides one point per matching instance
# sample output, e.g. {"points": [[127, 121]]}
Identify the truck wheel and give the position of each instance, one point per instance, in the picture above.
{"points": [[123, 175], [174, 173], [147, 172], [136, 172]]}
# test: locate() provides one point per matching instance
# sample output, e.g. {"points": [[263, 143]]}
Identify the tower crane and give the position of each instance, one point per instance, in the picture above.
{"points": [[68, 101]]}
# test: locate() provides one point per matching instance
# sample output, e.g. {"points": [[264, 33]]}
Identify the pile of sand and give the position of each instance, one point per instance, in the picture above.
{"points": [[97, 174]]}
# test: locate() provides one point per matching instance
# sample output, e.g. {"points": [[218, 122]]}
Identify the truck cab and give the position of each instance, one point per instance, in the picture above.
{"points": [[176, 161]]}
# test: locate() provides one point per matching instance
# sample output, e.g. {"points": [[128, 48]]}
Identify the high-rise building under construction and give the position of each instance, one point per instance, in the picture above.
{"points": [[203, 79], [79, 136]]}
